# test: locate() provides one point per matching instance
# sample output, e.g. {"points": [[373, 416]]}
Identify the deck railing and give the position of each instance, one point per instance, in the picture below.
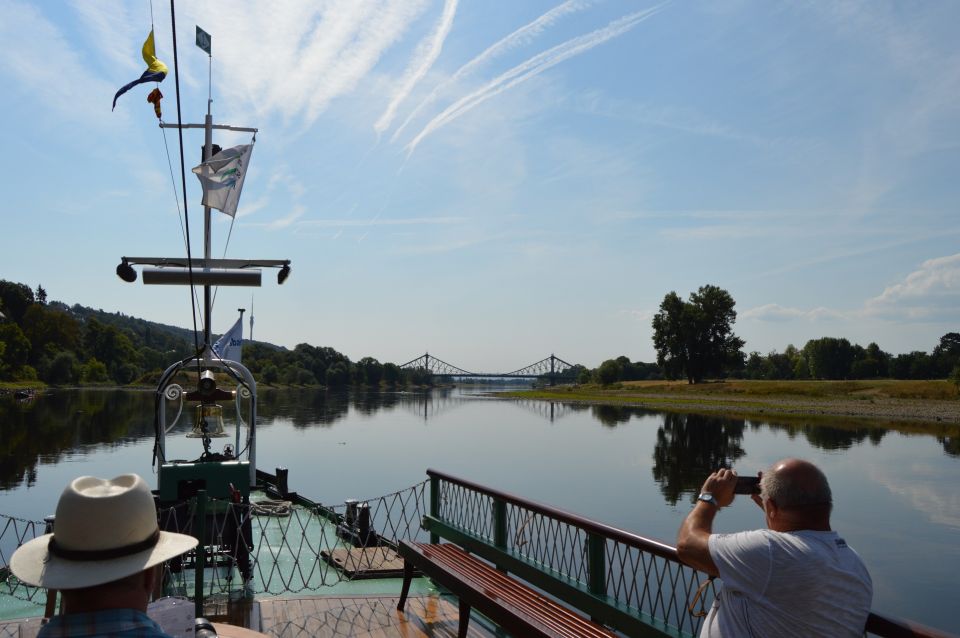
{"points": [[639, 573], [634, 572]]}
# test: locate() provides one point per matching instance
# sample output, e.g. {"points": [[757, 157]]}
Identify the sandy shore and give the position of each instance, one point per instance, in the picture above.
{"points": [[881, 410]]}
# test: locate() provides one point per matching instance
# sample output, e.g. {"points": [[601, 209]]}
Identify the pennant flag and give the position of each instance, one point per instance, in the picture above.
{"points": [[230, 345], [222, 178], [156, 70]]}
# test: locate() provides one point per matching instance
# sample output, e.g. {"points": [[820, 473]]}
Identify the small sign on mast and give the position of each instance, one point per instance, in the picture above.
{"points": [[203, 40]]}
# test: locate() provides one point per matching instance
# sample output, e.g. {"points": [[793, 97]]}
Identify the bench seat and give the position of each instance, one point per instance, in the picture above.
{"points": [[513, 605]]}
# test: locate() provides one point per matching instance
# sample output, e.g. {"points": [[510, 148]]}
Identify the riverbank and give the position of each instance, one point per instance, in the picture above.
{"points": [[880, 402]]}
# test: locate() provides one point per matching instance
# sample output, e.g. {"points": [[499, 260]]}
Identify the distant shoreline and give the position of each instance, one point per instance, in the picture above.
{"points": [[926, 405]]}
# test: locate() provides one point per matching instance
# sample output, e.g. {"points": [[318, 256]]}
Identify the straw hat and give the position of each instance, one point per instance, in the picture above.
{"points": [[104, 531]]}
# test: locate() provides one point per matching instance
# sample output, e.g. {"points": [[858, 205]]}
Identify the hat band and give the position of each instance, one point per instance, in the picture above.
{"points": [[103, 554]]}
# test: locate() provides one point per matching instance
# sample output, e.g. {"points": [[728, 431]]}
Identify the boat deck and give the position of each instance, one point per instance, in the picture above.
{"points": [[373, 616]]}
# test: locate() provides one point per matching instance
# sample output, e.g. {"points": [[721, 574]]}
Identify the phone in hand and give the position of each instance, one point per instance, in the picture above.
{"points": [[747, 485]]}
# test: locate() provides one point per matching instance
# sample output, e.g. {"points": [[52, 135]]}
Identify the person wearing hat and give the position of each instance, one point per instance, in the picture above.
{"points": [[105, 557]]}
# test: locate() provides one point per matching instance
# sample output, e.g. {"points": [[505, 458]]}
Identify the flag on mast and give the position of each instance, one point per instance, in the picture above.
{"points": [[222, 178], [156, 70], [230, 345]]}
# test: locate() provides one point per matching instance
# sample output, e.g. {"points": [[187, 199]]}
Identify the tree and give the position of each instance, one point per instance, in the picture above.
{"points": [[609, 372], [695, 338], [41, 295], [15, 299]]}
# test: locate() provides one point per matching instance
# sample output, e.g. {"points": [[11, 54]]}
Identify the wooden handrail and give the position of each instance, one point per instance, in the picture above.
{"points": [[877, 624]]}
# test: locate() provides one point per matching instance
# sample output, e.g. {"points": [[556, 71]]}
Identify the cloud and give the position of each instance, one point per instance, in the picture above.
{"points": [[351, 223], [521, 36], [426, 54], [293, 59], [777, 313], [529, 69], [930, 292], [39, 58]]}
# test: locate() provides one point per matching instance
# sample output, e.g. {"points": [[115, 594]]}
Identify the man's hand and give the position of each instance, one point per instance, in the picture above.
{"points": [[721, 484]]}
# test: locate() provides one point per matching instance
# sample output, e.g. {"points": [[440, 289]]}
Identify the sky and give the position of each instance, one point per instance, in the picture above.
{"points": [[494, 182]]}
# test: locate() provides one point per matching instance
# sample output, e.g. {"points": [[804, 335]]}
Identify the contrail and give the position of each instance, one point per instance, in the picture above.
{"points": [[426, 55], [531, 68], [518, 37]]}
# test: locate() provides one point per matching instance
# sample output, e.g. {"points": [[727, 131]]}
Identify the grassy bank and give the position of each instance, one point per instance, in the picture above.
{"points": [[887, 402]]}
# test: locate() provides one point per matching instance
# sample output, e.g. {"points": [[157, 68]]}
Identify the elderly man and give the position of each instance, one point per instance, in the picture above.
{"points": [[105, 556], [795, 578]]}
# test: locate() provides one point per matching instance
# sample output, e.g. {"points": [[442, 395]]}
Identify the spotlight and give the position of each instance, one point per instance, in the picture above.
{"points": [[283, 274], [126, 272]]}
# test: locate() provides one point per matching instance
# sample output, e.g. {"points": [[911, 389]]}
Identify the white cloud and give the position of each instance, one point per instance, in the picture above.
{"points": [[930, 292], [777, 313], [523, 35], [38, 57], [412, 221], [529, 69], [426, 54]]}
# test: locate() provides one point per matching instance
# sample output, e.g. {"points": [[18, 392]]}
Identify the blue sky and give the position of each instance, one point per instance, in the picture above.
{"points": [[495, 181]]}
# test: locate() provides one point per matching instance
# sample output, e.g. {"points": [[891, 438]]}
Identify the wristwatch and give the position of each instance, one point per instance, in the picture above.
{"points": [[707, 497]]}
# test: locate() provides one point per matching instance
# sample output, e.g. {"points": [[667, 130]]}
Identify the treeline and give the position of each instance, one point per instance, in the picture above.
{"points": [[832, 358], [66, 345]]}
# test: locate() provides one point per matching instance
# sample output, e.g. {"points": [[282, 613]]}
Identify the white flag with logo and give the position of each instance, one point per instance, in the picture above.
{"points": [[222, 177], [229, 346]]}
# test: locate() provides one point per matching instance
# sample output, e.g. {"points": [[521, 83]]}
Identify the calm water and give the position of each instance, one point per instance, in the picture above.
{"points": [[897, 497]]}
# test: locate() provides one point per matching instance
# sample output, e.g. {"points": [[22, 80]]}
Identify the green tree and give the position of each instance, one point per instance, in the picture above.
{"points": [[609, 372], [94, 371], [15, 299], [391, 373], [16, 349], [695, 338], [829, 358], [270, 374]]}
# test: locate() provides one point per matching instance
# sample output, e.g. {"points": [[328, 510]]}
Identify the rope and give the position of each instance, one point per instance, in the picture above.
{"points": [[271, 507], [698, 597]]}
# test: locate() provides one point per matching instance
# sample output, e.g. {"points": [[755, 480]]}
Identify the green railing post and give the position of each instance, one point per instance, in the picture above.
{"points": [[434, 505], [500, 523], [200, 520], [596, 557]]}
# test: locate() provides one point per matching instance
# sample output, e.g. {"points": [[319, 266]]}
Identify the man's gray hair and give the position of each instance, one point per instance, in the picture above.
{"points": [[789, 493]]}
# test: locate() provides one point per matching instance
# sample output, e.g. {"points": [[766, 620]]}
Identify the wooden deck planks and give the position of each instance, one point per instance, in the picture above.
{"points": [[362, 617]]}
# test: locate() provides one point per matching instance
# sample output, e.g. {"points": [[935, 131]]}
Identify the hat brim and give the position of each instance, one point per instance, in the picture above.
{"points": [[33, 563]]}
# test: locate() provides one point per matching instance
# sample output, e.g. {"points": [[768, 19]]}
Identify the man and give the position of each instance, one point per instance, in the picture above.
{"points": [[796, 578], [106, 557]]}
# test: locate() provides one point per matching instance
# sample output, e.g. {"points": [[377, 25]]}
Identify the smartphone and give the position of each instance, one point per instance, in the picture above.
{"points": [[747, 485]]}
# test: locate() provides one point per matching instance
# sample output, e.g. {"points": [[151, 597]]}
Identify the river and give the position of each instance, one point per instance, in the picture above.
{"points": [[896, 494]]}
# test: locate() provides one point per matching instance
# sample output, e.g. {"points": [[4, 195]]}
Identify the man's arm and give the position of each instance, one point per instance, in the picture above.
{"points": [[693, 538]]}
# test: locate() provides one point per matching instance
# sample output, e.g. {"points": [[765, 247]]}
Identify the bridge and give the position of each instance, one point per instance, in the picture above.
{"points": [[550, 368]]}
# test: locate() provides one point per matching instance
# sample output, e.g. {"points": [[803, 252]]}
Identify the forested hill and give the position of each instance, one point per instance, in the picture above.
{"points": [[62, 345]]}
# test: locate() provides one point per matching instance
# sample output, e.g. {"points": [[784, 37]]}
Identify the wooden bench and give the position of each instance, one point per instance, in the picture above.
{"points": [[511, 604]]}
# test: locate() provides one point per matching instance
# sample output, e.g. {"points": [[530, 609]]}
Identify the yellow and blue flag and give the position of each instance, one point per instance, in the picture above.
{"points": [[156, 70]]}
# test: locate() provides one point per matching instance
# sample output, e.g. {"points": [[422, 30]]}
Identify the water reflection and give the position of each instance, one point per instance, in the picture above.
{"points": [[687, 446], [690, 446], [56, 423]]}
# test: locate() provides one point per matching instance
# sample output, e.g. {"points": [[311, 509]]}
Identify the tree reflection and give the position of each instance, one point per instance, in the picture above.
{"points": [[689, 447], [45, 429], [951, 445]]}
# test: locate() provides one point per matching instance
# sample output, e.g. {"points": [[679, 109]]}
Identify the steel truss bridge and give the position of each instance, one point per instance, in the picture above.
{"points": [[550, 368]]}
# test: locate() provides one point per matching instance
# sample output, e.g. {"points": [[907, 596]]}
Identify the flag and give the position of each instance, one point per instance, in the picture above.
{"points": [[222, 178], [230, 345], [154, 98], [156, 70]]}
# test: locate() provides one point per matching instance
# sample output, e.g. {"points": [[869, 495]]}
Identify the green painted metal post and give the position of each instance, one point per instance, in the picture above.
{"points": [[200, 519], [434, 505], [500, 523], [596, 556]]}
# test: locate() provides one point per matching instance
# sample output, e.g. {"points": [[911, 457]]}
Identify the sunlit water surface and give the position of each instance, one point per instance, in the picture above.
{"points": [[896, 495]]}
